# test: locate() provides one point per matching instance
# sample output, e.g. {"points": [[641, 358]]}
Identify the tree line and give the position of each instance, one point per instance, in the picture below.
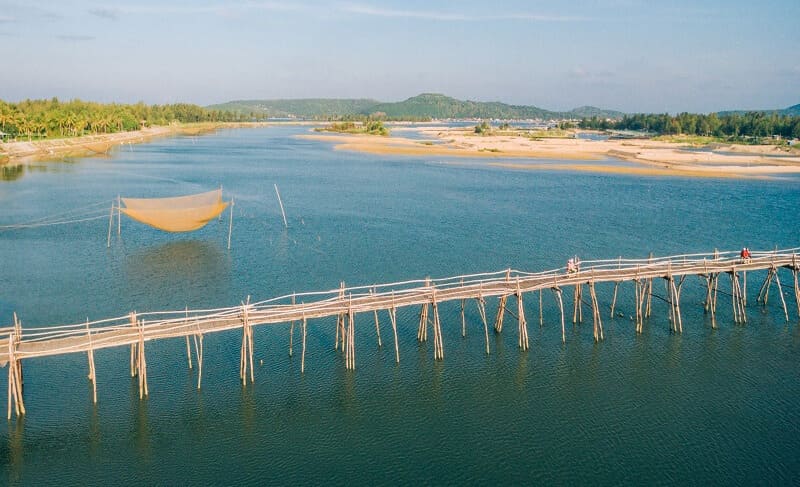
{"points": [[734, 126], [53, 118]]}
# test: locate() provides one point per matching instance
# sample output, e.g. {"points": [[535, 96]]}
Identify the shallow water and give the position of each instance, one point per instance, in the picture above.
{"points": [[707, 406]]}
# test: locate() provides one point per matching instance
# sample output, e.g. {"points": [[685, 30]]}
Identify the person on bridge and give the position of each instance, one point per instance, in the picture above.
{"points": [[745, 255], [571, 268]]}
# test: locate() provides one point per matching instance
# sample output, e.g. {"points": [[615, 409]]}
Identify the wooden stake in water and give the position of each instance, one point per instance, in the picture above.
{"points": [[286, 225]]}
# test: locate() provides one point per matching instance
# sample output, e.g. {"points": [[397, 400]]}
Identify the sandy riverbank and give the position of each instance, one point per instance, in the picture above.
{"points": [[87, 145], [656, 158]]}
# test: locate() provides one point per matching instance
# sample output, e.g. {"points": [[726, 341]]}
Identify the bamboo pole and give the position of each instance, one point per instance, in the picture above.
{"points": [[141, 363], [742, 299], [134, 354], [438, 346], [188, 347], [597, 322], [230, 225], [541, 314], [463, 320], [744, 292], [796, 291], [501, 311], [110, 222], [560, 301], [199, 361], [291, 329], [677, 297], [303, 356], [393, 319], [482, 312], [90, 354], [614, 300], [280, 202], [780, 292], [522, 324], [422, 332], [377, 323], [119, 214]]}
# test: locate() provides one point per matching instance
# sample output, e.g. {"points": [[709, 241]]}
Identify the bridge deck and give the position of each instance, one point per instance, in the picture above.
{"points": [[128, 330]]}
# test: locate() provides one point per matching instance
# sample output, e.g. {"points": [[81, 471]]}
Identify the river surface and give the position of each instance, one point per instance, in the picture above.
{"points": [[707, 406]]}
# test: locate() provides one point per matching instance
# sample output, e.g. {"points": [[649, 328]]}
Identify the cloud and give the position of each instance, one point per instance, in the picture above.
{"points": [[4, 19], [75, 38], [105, 13], [369, 10]]}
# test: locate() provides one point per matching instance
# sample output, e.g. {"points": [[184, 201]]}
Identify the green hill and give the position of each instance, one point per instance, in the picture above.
{"points": [[792, 111], [299, 108], [424, 106]]}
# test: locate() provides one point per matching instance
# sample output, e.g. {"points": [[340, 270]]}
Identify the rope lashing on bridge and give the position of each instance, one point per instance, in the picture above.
{"points": [[344, 303]]}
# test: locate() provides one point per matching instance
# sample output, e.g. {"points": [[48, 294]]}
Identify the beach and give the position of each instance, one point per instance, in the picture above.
{"points": [[651, 157], [87, 145]]}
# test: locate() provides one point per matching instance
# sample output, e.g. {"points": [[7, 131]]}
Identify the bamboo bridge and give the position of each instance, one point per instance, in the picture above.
{"points": [[135, 329]]}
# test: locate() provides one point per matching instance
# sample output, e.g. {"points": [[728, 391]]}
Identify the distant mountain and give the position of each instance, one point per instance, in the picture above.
{"points": [[299, 108], [426, 105], [792, 111]]}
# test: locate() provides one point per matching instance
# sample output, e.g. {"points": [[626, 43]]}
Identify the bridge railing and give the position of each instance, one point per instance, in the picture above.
{"points": [[338, 298]]}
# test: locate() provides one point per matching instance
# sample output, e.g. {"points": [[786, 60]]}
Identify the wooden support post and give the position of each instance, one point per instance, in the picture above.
{"points": [[541, 315], [677, 299], [482, 312], [141, 363], [741, 298], [715, 288], [14, 374], [744, 291], [351, 341], [303, 356], [230, 225], [438, 345], [560, 301], [501, 312], [463, 319], [614, 299], [393, 319], [291, 329], [119, 214], [637, 292], [340, 319], [188, 347], [198, 346], [92, 375], [377, 325], [763, 293], [597, 322], [422, 331], [649, 290], [110, 221], [246, 361], [780, 293], [796, 291], [280, 202], [134, 354], [522, 325]]}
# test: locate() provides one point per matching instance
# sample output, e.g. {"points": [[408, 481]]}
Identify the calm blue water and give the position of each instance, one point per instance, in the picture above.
{"points": [[708, 406]]}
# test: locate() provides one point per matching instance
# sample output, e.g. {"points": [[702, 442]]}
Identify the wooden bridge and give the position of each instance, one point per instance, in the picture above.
{"points": [[134, 330]]}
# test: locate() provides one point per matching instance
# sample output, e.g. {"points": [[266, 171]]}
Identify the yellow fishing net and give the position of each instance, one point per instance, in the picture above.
{"points": [[177, 214]]}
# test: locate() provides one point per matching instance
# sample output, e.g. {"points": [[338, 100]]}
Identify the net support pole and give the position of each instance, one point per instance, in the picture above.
{"points": [[110, 222], [230, 225], [119, 214], [283, 213]]}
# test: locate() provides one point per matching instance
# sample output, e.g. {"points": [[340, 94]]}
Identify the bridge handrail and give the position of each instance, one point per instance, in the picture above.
{"points": [[167, 320]]}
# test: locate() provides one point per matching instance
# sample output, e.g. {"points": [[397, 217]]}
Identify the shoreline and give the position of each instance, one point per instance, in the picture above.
{"points": [[87, 145], [648, 157]]}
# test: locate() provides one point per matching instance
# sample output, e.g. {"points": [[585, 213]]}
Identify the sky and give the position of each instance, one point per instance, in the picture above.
{"points": [[629, 55]]}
